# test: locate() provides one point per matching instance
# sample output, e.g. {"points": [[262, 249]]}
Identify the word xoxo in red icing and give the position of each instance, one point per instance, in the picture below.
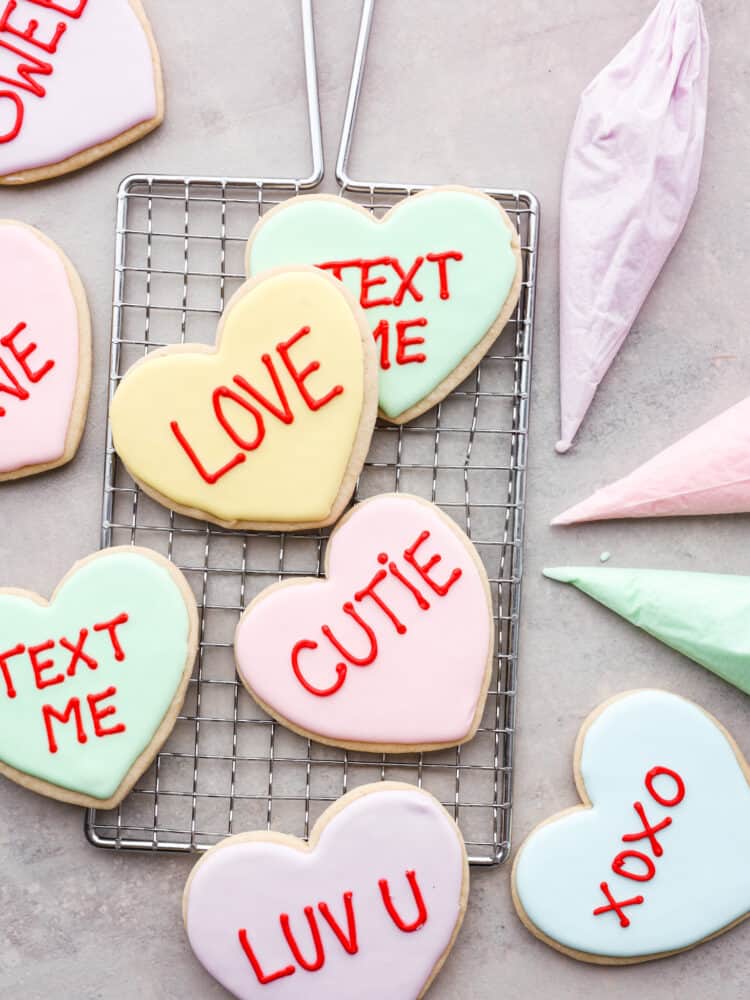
{"points": [[347, 939], [20, 357], [30, 66], [281, 411], [370, 592], [647, 832], [42, 666], [406, 286]]}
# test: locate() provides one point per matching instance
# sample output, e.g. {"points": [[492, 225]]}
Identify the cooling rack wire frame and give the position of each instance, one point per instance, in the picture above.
{"points": [[227, 767]]}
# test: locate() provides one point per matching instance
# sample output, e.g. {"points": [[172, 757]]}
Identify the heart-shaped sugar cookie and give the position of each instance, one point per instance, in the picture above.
{"points": [[45, 353], [438, 277], [268, 430], [393, 650], [369, 910], [79, 80], [91, 682], [656, 860]]}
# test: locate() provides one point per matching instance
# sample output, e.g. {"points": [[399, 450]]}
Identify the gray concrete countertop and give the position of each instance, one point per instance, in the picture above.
{"points": [[482, 93]]}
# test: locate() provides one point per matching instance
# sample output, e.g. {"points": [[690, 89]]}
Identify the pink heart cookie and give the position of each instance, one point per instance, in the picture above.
{"points": [[45, 353], [370, 909], [393, 650]]}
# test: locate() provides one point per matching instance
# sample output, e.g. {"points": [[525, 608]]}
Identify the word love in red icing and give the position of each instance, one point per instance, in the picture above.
{"points": [[76, 656], [647, 832], [281, 409], [346, 938], [406, 278], [389, 570], [20, 35], [16, 371]]}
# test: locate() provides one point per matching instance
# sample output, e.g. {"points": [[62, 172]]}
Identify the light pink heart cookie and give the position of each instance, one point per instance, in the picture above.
{"points": [[392, 651], [369, 910], [45, 353]]}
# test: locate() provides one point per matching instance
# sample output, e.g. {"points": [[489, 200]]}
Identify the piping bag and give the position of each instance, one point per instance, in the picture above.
{"points": [[706, 472], [629, 182], [704, 616]]}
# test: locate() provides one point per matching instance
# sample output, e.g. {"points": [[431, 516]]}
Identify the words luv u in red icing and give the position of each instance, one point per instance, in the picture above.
{"points": [[22, 37], [375, 272], [388, 570], [18, 373], [346, 936], [636, 865], [251, 400], [49, 671]]}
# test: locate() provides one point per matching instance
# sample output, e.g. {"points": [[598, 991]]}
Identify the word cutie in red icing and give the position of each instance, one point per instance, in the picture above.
{"points": [[376, 272], [389, 570], [29, 46], [50, 669], [637, 865], [251, 400], [19, 373], [342, 927]]}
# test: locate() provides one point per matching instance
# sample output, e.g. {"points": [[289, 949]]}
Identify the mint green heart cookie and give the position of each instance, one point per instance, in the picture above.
{"points": [[438, 278], [91, 682]]}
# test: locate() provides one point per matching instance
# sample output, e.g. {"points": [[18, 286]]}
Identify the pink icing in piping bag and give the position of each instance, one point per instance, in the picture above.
{"points": [[630, 178], [706, 472]]}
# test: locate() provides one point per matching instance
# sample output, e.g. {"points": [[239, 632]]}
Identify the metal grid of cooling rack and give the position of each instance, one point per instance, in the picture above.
{"points": [[227, 767]]}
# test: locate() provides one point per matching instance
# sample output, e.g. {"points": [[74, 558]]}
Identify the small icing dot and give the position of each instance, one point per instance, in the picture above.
{"points": [[605, 557], [383, 558]]}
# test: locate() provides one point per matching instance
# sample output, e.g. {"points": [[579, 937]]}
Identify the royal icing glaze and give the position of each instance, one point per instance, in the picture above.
{"points": [[393, 648], [433, 276], [42, 331], [370, 910], [86, 680], [636, 875], [263, 428], [74, 74]]}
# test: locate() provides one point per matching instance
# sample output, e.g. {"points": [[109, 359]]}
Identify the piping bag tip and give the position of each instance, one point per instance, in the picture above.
{"points": [[562, 446], [563, 574]]}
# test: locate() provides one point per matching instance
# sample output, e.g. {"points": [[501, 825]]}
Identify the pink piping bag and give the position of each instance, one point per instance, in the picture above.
{"points": [[630, 178], [706, 472]]}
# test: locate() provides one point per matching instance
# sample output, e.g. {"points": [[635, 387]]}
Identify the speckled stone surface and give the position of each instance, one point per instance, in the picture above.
{"points": [[481, 93]]}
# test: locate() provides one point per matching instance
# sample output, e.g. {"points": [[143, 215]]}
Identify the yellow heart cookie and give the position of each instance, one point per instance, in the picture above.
{"points": [[270, 428]]}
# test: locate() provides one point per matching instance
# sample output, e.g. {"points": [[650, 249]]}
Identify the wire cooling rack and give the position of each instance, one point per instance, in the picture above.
{"points": [[227, 767]]}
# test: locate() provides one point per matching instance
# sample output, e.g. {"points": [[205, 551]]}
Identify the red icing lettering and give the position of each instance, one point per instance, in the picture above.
{"points": [[414, 591], [78, 653], [21, 356], [49, 713], [648, 830], [74, 11], [441, 589], [28, 34], [319, 961], [15, 128], [210, 477], [363, 661], [260, 428], [5, 669], [381, 333], [319, 692], [407, 281], [441, 259], [618, 866], [40, 666], [679, 795], [421, 917], [368, 282], [300, 376], [402, 342], [371, 591], [111, 627], [28, 65], [349, 940], [98, 714], [617, 906], [283, 412], [261, 976]]}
